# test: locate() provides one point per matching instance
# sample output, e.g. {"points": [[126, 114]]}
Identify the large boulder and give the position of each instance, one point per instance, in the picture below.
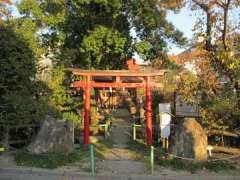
{"points": [[189, 140], [54, 136]]}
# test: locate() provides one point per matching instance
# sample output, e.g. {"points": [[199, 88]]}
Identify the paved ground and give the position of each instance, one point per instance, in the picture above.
{"points": [[120, 164], [42, 174]]}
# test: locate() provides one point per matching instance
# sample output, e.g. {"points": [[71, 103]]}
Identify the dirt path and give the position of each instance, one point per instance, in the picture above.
{"points": [[121, 160]]}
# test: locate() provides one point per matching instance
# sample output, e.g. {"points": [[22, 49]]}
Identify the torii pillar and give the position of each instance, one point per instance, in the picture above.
{"points": [[87, 109], [148, 111]]}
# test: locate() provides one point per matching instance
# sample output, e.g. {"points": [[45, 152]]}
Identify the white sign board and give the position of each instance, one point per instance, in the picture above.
{"points": [[164, 107], [165, 120]]}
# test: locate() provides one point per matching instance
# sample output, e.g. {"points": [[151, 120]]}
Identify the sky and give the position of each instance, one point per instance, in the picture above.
{"points": [[14, 9], [183, 21]]}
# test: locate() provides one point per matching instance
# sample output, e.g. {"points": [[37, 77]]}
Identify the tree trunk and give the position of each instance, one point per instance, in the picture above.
{"points": [[207, 9], [208, 30], [225, 23]]}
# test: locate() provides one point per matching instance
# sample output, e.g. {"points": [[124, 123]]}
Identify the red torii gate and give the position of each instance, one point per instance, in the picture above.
{"points": [[88, 84]]}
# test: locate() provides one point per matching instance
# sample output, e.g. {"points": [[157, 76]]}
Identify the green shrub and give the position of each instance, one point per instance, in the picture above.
{"points": [[221, 114]]}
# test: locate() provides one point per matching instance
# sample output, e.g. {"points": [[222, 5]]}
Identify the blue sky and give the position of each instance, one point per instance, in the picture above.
{"points": [[183, 20], [14, 9]]}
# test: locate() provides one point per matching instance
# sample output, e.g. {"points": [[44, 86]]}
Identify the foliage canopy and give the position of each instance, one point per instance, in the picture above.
{"points": [[96, 33]]}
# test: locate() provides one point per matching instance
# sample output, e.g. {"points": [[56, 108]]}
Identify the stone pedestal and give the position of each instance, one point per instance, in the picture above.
{"points": [[189, 140], [54, 136]]}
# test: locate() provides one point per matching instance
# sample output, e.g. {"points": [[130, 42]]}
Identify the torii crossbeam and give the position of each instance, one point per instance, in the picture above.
{"points": [[118, 74]]}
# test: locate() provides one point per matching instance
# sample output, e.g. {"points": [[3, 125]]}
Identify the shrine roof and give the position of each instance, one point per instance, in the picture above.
{"points": [[126, 73]]}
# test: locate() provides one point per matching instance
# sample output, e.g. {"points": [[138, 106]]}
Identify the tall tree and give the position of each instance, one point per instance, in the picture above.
{"points": [[225, 6], [216, 63], [152, 28], [219, 35], [19, 87], [104, 25], [95, 34]]}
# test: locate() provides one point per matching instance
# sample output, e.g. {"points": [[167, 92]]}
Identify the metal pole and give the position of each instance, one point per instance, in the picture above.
{"points": [[167, 144], [148, 111], [105, 130], [91, 162], [134, 132], [152, 159], [87, 110]]}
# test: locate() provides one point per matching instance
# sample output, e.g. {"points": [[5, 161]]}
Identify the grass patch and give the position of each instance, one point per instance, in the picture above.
{"points": [[50, 160], [55, 160], [192, 167]]}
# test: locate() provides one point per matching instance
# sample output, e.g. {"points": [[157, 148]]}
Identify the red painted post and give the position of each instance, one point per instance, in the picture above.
{"points": [[87, 110], [148, 111]]}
